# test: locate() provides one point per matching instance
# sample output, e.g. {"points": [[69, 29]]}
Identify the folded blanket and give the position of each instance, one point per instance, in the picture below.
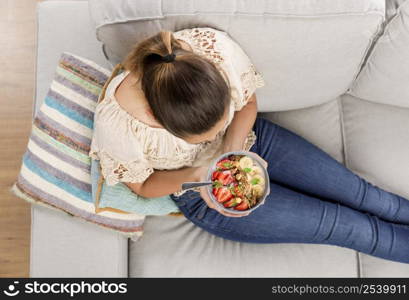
{"points": [[120, 197]]}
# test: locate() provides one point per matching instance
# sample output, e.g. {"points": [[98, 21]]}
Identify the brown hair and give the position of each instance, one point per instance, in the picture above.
{"points": [[188, 95]]}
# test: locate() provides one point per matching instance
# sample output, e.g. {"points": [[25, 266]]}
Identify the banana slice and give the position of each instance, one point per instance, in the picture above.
{"points": [[256, 170], [259, 179], [245, 162], [249, 177], [258, 189]]}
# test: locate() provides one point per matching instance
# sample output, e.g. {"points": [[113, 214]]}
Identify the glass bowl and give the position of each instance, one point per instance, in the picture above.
{"points": [[213, 167]]}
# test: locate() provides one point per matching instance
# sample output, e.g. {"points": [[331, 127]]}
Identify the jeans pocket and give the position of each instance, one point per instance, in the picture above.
{"points": [[181, 200], [195, 205], [187, 200]]}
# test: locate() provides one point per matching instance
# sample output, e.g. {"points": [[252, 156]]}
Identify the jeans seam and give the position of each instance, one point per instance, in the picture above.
{"points": [[273, 138], [365, 185], [337, 212], [395, 215], [374, 223], [273, 145]]}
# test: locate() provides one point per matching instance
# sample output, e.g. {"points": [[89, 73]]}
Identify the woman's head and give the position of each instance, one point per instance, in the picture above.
{"points": [[188, 96]]}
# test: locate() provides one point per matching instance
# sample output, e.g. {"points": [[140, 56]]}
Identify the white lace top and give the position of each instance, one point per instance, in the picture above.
{"points": [[130, 150]]}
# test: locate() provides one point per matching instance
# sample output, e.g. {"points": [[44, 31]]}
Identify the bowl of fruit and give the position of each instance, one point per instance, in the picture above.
{"points": [[240, 183]]}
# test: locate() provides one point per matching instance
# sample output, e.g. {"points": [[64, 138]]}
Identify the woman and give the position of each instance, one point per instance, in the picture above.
{"points": [[186, 97]]}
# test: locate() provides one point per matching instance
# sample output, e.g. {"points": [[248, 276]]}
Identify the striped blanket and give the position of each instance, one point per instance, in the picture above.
{"points": [[56, 167]]}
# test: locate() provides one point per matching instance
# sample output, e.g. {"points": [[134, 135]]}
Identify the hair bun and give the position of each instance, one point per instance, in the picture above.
{"points": [[169, 58]]}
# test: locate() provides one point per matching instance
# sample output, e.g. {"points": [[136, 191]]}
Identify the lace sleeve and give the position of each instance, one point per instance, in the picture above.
{"points": [[244, 76], [119, 152], [115, 170]]}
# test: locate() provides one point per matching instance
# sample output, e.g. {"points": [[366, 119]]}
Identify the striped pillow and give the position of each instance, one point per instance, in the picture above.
{"points": [[56, 168]]}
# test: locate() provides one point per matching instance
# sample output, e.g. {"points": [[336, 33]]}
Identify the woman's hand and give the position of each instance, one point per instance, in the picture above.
{"points": [[201, 176], [229, 145]]}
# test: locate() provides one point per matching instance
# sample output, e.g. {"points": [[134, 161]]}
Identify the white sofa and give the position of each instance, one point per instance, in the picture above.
{"points": [[361, 118]]}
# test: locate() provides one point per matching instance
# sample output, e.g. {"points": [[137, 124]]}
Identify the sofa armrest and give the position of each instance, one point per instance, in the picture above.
{"points": [[62, 245]]}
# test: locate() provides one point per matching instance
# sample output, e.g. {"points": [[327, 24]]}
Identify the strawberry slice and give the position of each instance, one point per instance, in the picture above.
{"points": [[242, 206], [225, 164], [225, 177], [215, 175], [223, 194], [215, 191]]}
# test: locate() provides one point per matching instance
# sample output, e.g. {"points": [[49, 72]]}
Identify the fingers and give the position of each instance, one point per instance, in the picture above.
{"points": [[230, 214], [265, 163], [213, 206]]}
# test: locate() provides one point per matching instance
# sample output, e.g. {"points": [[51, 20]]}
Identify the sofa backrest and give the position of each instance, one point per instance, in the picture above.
{"points": [[309, 51], [385, 76]]}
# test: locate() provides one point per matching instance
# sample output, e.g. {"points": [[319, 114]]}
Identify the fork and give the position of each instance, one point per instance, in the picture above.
{"points": [[188, 185]]}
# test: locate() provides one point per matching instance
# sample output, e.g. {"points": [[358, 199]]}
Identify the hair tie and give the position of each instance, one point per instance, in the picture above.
{"points": [[169, 58]]}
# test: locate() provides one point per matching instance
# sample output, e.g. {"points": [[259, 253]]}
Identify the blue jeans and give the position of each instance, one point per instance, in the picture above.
{"points": [[314, 199]]}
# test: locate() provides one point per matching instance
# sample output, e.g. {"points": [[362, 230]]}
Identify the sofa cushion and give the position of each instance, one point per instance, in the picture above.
{"points": [[319, 124], [377, 142], [387, 68], [174, 247], [328, 39], [56, 167], [63, 246], [391, 8], [371, 266], [58, 33], [376, 148]]}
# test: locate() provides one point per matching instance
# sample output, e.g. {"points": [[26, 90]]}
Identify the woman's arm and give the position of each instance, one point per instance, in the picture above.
{"points": [[240, 126], [164, 182]]}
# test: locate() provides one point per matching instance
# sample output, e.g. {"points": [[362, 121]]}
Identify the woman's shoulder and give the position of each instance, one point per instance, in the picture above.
{"points": [[124, 102], [130, 97], [120, 123]]}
